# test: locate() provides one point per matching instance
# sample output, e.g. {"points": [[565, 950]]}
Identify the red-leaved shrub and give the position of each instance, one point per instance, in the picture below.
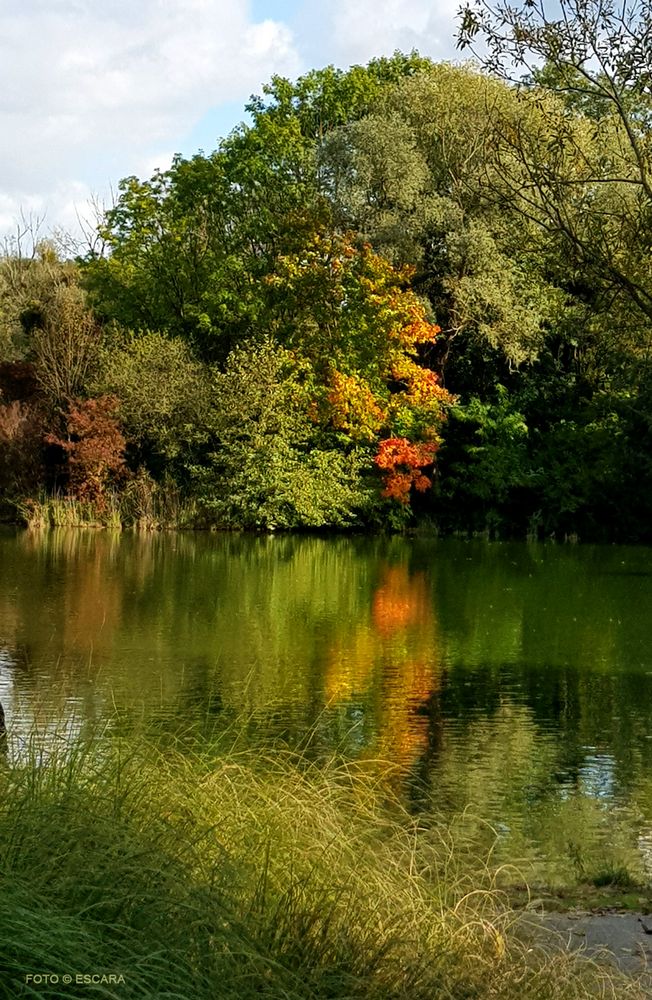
{"points": [[402, 462], [21, 449], [94, 448]]}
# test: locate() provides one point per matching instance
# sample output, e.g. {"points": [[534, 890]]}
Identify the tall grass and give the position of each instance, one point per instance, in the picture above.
{"points": [[146, 508], [240, 876], [66, 512]]}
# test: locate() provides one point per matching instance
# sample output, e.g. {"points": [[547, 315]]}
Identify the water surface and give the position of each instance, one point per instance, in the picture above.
{"points": [[512, 681]]}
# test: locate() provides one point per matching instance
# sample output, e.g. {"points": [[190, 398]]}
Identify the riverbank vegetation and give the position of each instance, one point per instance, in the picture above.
{"points": [[233, 874], [402, 294]]}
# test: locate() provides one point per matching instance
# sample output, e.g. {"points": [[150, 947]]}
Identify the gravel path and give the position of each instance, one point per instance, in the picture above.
{"points": [[616, 938]]}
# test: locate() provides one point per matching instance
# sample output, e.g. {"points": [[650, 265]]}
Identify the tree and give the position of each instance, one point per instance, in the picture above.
{"points": [[325, 99], [21, 450], [484, 465], [421, 180], [366, 335], [346, 307], [93, 448], [589, 183], [162, 393], [45, 318], [186, 252], [268, 468], [65, 343]]}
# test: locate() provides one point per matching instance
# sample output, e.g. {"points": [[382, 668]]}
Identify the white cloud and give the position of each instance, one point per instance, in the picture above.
{"points": [[89, 91], [369, 28], [93, 90], [345, 32]]}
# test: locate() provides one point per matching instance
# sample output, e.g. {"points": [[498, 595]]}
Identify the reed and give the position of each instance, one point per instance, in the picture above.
{"points": [[228, 874], [164, 509], [65, 512]]}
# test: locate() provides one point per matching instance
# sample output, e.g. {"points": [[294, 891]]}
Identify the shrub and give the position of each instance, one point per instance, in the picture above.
{"points": [[269, 468], [21, 449], [93, 447], [163, 391]]}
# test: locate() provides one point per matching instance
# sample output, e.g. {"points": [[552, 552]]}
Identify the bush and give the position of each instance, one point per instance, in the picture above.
{"points": [[21, 450], [163, 392], [93, 448], [269, 469]]}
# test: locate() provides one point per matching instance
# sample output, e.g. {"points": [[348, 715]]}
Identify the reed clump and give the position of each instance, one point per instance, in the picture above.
{"points": [[142, 505], [237, 875], [67, 512]]}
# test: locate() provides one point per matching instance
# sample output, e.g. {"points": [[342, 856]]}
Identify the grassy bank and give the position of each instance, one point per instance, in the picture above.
{"points": [[236, 876]]}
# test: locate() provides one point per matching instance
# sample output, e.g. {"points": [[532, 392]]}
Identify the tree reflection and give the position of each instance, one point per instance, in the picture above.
{"points": [[390, 663]]}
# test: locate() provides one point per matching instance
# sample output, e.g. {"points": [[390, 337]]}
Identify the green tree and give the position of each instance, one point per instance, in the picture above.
{"points": [[484, 461], [325, 99], [419, 178], [186, 251], [595, 56], [268, 468], [163, 393]]}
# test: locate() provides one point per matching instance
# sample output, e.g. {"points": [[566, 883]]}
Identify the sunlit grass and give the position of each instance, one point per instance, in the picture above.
{"points": [[236, 875], [65, 512], [164, 509]]}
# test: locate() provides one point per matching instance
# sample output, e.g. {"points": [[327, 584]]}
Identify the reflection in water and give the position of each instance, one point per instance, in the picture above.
{"points": [[401, 601], [596, 776], [6, 689], [513, 680], [389, 661]]}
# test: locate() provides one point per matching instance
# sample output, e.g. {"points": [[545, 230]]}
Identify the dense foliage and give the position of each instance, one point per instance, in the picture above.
{"points": [[407, 292]]}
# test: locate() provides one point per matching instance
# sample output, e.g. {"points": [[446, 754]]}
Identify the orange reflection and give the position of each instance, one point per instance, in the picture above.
{"points": [[93, 600], [400, 601], [391, 658]]}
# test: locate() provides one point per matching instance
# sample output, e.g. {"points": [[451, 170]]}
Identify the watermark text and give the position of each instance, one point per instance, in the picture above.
{"points": [[78, 978]]}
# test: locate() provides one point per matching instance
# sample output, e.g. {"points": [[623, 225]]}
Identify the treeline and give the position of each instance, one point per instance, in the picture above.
{"points": [[407, 293]]}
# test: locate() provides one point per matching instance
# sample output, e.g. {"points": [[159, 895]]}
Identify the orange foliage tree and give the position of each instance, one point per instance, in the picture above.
{"points": [[403, 463], [354, 315], [346, 308], [354, 408]]}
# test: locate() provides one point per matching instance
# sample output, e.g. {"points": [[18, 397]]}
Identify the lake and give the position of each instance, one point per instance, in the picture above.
{"points": [[506, 684]]}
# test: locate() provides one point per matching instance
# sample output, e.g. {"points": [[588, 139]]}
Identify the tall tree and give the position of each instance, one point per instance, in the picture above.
{"points": [[420, 178], [590, 186], [187, 250]]}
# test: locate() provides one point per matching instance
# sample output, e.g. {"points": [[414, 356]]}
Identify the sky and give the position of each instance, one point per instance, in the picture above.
{"points": [[95, 90]]}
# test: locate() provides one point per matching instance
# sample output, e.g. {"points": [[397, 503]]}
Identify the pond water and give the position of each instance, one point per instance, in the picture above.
{"points": [[507, 683]]}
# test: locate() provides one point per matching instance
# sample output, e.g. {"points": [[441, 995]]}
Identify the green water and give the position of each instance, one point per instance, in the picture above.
{"points": [[512, 681]]}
